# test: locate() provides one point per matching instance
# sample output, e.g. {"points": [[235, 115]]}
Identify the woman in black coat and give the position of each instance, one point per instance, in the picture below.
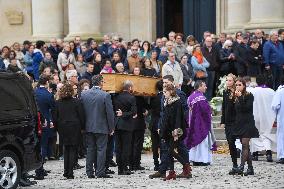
{"points": [[69, 119], [187, 71], [227, 59], [228, 119], [244, 127], [172, 131], [254, 59]]}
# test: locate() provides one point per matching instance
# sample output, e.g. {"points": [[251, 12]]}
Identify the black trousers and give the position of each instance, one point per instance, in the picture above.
{"points": [[155, 146], [136, 147], [123, 148], [109, 151], [70, 154], [231, 142]]}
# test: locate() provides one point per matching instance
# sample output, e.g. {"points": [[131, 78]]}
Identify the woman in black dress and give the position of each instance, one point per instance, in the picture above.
{"points": [[244, 124], [228, 119], [69, 119]]}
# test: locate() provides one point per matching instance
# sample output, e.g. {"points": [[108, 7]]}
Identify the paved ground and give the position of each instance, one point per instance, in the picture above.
{"points": [[268, 175]]}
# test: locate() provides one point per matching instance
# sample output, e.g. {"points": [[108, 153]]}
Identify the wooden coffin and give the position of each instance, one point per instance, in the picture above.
{"points": [[142, 85]]}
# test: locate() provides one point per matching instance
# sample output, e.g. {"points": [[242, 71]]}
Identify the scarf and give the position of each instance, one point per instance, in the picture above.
{"points": [[198, 56], [107, 69], [171, 100]]}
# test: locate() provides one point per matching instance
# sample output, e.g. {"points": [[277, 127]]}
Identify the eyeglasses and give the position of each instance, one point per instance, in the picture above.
{"points": [[239, 85]]}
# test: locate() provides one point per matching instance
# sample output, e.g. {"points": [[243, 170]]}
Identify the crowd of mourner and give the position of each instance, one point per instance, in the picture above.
{"points": [[80, 120]]}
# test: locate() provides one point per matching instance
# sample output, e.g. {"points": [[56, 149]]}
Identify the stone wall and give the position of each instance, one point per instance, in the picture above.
{"points": [[41, 19]]}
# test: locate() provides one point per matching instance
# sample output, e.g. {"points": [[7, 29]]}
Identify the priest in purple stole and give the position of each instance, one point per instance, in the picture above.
{"points": [[200, 138]]}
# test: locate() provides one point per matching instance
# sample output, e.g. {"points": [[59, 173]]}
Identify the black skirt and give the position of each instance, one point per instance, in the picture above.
{"points": [[245, 129]]}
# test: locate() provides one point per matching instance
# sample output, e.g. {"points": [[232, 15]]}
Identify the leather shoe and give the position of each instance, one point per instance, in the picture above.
{"points": [[125, 172], [70, 177], [281, 161], [108, 171], [104, 176], [91, 176], [112, 164], [77, 166], [38, 177], [138, 168], [24, 183]]}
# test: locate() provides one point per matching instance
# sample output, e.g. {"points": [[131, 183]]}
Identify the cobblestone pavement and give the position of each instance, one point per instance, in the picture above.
{"points": [[267, 175]]}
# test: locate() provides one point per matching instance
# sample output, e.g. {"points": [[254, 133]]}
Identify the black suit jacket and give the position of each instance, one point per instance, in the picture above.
{"points": [[54, 52], [69, 119], [142, 106], [127, 104]]}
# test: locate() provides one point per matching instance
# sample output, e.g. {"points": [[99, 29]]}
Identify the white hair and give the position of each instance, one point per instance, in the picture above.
{"points": [[273, 32], [119, 64], [227, 43], [70, 73]]}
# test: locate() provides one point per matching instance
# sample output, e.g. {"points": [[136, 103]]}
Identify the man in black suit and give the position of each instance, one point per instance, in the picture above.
{"points": [[139, 127], [77, 50], [155, 108], [126, 111]]}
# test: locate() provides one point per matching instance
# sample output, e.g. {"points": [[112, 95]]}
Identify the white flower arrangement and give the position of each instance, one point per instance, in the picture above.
{"points": [[216, 102], [222, 86], [147, 144]]}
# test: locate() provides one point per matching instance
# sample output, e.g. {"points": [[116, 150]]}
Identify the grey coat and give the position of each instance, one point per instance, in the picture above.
{"points": [[99, 111]]}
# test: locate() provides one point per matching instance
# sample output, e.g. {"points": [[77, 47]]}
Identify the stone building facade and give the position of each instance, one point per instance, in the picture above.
{"points": [[44, 19]]}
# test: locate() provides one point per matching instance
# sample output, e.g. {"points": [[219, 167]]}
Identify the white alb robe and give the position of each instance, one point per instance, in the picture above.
{"points": [[278, 108], [202, 152], [264, 118]]}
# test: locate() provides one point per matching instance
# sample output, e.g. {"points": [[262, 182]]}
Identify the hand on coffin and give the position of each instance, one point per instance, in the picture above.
{"points": [[119, 113]]}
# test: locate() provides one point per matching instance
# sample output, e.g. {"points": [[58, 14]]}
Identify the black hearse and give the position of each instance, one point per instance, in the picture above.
{"points": [[19, 144]]}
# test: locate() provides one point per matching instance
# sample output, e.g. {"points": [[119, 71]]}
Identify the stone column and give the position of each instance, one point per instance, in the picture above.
{"points": [[84, 19], [47, 19], [238, 14], [266, 14], [143, 19]]}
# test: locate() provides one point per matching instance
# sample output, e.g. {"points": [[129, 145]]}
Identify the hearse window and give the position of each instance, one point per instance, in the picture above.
{"points": [[13, 103]]}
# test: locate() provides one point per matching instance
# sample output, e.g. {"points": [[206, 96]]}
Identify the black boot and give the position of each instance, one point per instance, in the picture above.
{"points": [[234, 170], [249, 171], [269, 156], [255, 156], [240, 170]]}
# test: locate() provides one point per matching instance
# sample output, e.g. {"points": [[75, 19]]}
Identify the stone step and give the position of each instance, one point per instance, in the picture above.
{"points": [[219, 133], [216, 118], [221, 142]]}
